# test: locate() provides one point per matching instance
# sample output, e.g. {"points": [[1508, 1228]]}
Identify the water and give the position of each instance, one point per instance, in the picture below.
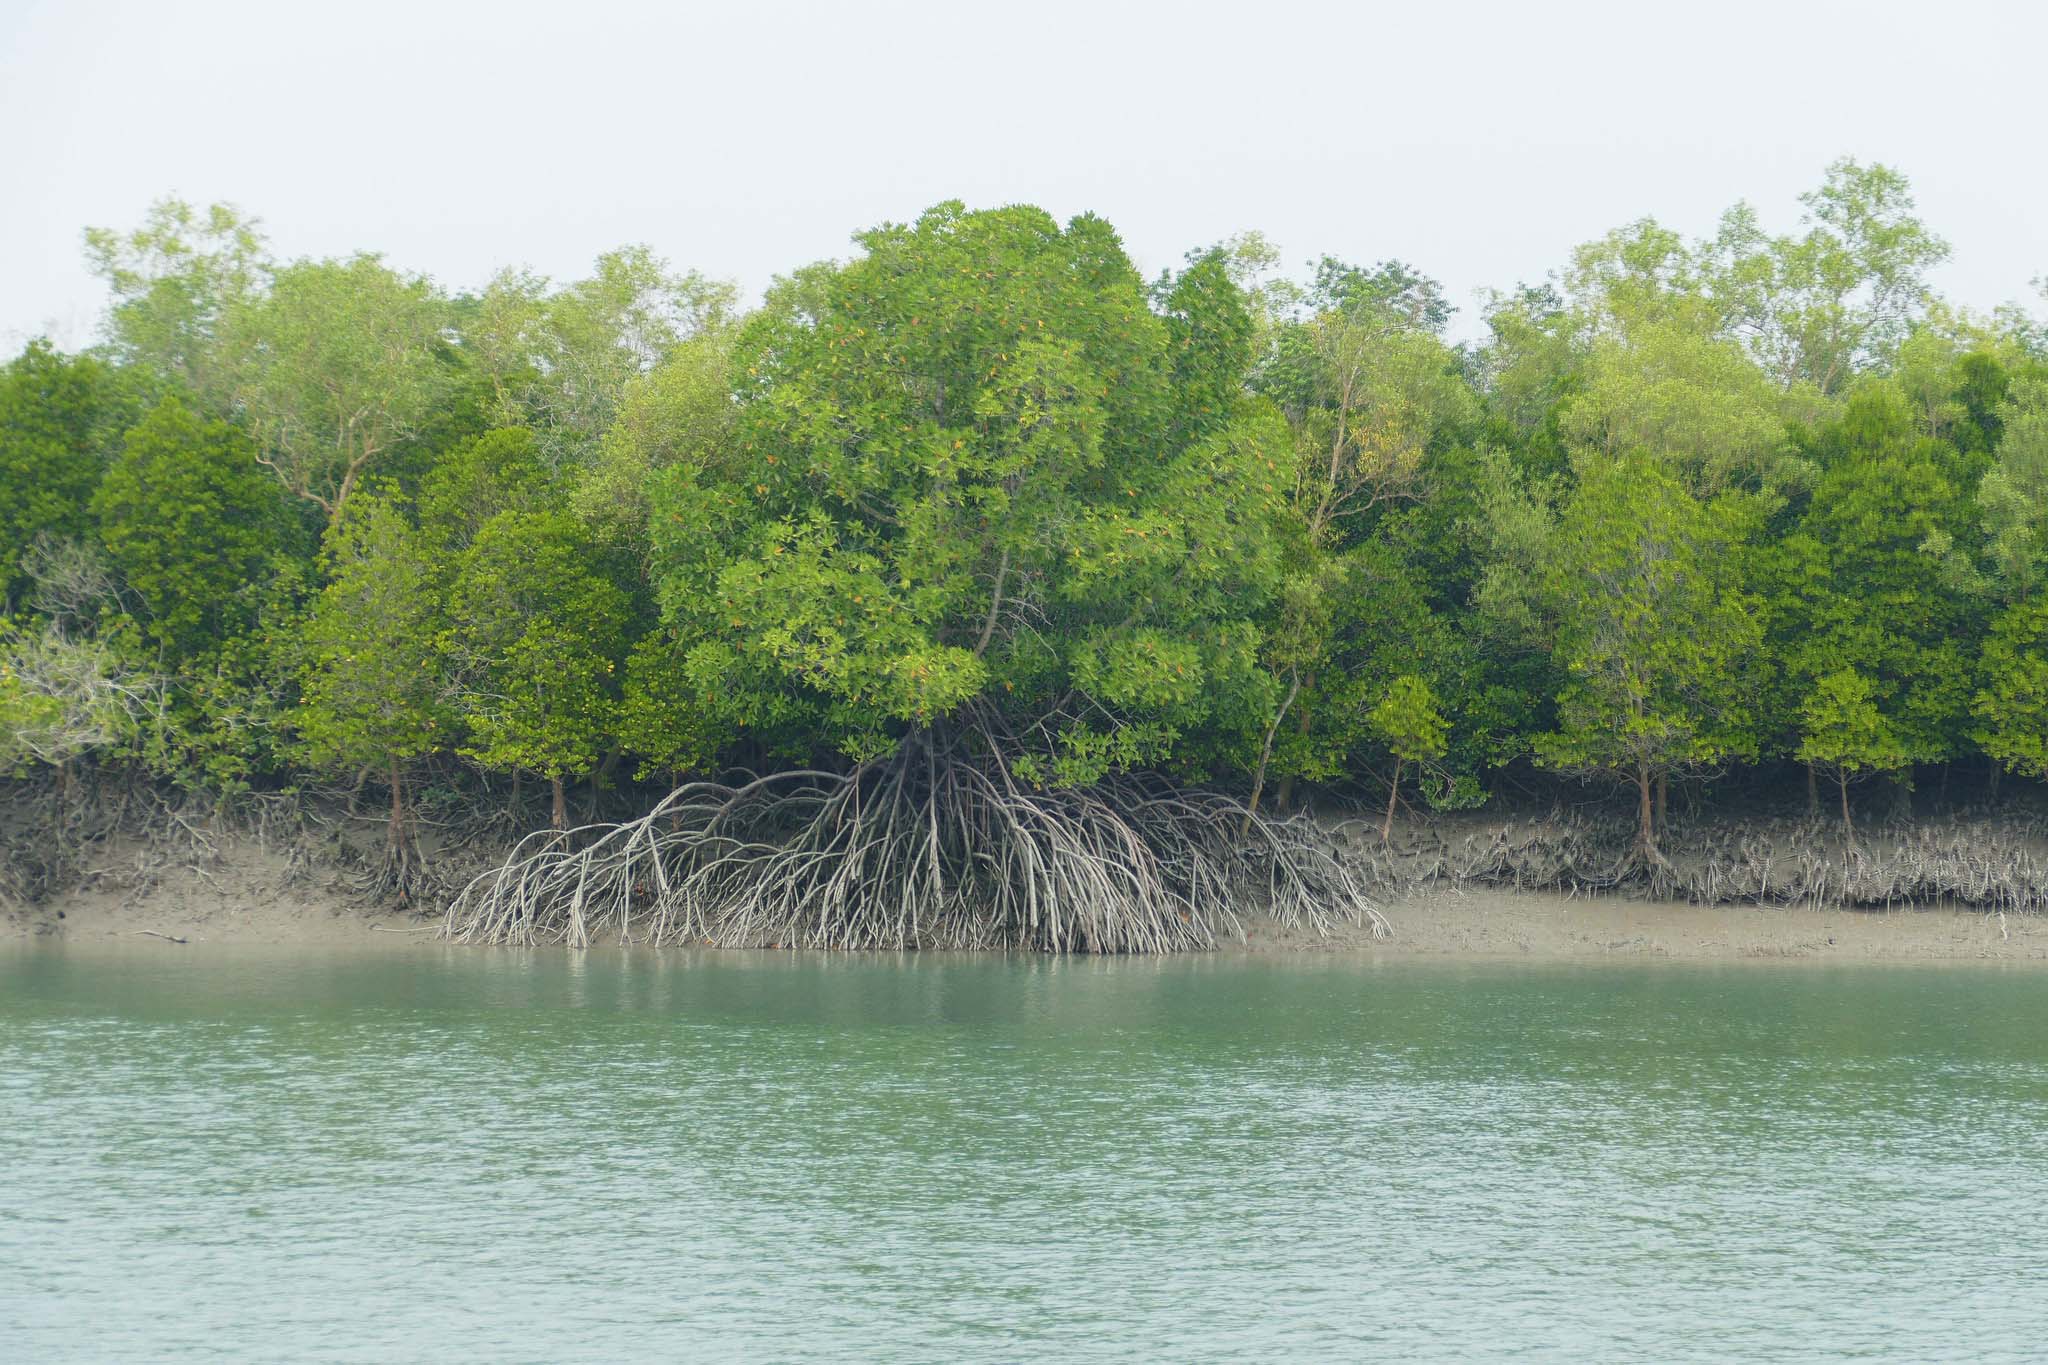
{"points": [[432, 1154]]}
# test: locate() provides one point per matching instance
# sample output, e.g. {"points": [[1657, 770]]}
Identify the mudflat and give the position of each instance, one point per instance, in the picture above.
{"points": [[1489, 923], [250, 897]]}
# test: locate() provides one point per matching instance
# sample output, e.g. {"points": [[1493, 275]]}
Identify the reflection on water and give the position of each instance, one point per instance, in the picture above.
{"points": [[428, 1154]]}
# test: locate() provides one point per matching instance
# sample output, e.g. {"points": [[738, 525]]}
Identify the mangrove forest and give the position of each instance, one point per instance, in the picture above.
{"points": [[980, 590]]}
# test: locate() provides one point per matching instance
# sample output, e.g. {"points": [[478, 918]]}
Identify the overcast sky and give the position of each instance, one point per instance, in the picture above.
{"points": [[1478, 141]]}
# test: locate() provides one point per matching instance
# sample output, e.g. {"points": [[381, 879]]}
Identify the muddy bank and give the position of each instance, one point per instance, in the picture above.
{"points": [[1538, 925], [1982, 859], [241, 894], [1967, 887], [252, 897]]}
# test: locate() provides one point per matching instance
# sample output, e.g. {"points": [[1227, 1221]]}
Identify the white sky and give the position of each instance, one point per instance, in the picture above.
{"points": [[1479, 141]]}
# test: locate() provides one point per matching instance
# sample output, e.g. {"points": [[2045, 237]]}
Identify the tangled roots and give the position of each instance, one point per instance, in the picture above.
{"points": [[918, 850]]}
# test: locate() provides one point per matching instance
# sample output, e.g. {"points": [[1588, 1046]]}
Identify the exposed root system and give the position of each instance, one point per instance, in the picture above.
{"points": [[918, 850], [1991, 863]]}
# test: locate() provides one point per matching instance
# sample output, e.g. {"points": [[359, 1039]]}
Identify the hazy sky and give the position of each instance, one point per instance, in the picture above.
{"points": [[1478, 141]]}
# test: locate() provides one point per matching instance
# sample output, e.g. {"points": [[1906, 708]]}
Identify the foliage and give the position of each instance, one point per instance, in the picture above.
{"points": [[1366, 385], [1408, 720], [65, 699], [2012, 706], [681, 411], [1838, 299], [2014, 493], [1842, 730], [369, 663], [961, 476], [562, 361], [533, 630], [981, 494], [1656, 633], [190, 524], [52, 413], [1869, 584], [333, 368], [173, 280]]}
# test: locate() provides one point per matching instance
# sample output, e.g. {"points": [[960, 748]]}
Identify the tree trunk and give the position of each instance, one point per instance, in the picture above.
{"points": [[1265, 755], [394, 832], [1812, 793], [1393, 795], [1646, 830], [1283, 799], [1283, 795], [561, 804], [512, 805], [1848, 828]]}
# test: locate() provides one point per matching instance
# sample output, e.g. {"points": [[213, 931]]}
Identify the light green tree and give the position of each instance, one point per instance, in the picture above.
{"points": [[2013, 496], [1671, 385], [2012, 706], [535, 634], [1837, 300], [1842, 732], [498, 472], [1658, 638], [333, 369], [562, 361], [173, 280], [66, 698], [680, 412], [1366, 384], [371, 674], [1408, 721]]}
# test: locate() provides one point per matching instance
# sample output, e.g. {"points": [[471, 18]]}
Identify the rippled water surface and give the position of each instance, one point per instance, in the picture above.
{"points": [[432, 1154]]}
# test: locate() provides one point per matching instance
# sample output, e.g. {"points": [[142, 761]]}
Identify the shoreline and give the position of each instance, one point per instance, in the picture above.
{"points": [[298, 893], [1535, 926], [1440, 924]]}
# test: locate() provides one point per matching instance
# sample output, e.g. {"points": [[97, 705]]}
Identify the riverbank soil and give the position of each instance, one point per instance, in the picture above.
{"points": [[240, 894], [1459, 922], [1507, 886]]}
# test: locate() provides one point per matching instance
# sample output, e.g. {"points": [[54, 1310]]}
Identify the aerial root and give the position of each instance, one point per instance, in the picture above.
{"points": [[1993, 864], [918, 850]]}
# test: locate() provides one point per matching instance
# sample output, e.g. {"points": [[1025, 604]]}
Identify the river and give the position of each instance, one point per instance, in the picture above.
{"points": [[429, 1153]]}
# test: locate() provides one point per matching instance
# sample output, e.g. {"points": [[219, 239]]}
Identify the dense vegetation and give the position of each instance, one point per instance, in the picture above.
{"points": [[984, 526]]}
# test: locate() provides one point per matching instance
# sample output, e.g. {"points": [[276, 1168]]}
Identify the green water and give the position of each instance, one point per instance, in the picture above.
{"points": [[432, 1154]]}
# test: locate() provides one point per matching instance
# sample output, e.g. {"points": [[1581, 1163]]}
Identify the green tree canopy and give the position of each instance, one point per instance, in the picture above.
{"points": [[1408, 721], [562, 361], [173, 280], [1842, 731], [1870, 585], [190, 524], [535, 631], [2014, 493], [2012, 706], [1654, 628], [962, 478], [334, 368], [372, 680], [54, 410]]}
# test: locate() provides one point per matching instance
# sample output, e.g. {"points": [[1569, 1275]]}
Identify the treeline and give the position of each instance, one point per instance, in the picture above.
{"points": [[1689, 506]]}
